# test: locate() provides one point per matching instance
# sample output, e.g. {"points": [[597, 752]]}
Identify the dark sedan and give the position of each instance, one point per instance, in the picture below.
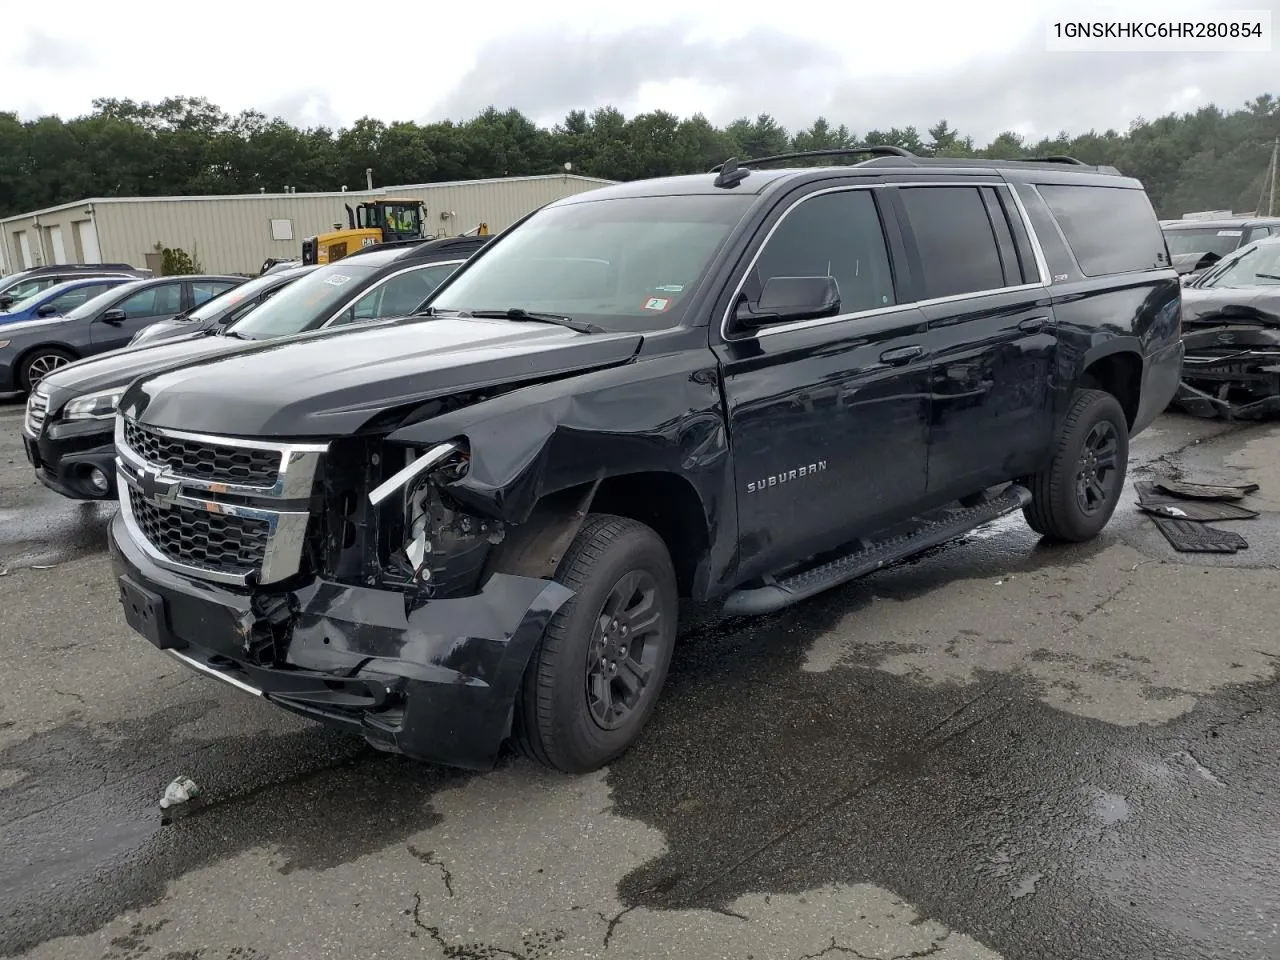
{"points": [[31, 350], [1231, 329], [70, 414]]}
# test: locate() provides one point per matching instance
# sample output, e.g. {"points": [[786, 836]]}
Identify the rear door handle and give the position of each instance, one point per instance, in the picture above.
{"points": [[901, 355], [1032, 324]]}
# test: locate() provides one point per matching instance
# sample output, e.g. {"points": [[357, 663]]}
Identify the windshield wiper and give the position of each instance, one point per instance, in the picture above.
{"points": [[1267, 276], [518, 313]]}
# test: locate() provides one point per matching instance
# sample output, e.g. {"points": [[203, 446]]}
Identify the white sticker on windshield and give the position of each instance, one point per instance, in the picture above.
{"points": [[1230, 233], [337, 280]]}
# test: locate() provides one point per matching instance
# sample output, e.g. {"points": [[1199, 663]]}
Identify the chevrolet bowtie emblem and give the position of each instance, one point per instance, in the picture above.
{"points": [[151, 486]]}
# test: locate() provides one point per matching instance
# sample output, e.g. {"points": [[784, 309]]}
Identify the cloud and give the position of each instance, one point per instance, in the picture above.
{"points": [[305, 108], [40, 51], [795, 80], [552, 74], [1044, 93]]}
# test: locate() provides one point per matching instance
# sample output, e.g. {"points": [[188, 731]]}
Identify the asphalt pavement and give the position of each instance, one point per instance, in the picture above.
{"points": [[1000, 750]]}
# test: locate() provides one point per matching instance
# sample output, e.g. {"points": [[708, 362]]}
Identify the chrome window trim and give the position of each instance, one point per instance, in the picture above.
{"points": [[976, 183], [287, 527], [385, 280]]}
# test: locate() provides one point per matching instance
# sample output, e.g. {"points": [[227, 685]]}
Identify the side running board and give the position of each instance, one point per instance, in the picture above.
{"points": [[932, 530]]}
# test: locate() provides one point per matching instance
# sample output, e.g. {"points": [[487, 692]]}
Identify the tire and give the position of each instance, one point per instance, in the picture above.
{"points": [[554, 722], [1059, 510], [40, 361]]}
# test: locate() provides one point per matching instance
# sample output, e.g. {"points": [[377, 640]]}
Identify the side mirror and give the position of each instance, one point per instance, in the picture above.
{"points": [[46, 310], [789, 299], [5, 302], [114, 316]]}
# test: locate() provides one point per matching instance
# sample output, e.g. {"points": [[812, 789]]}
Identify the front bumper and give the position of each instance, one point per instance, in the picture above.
{"points": [[437, 683], [65, 455], [1198, 402], [1231, 372]]}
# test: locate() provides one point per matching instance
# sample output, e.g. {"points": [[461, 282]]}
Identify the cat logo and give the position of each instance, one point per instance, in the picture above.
{"points": [[797, 473]]}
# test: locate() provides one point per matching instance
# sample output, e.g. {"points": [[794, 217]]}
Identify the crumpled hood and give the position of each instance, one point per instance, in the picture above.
{"points": [[121, 367], [332, 384], [1230, 305]]}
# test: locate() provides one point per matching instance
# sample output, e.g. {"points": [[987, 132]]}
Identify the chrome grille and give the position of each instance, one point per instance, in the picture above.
{"points": [[218, 508], [216, 462], [37, 410], [214, 542]]}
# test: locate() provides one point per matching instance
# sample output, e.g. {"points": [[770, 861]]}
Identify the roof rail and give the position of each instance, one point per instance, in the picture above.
{"points": [[1057, 159], [980, 163], [876, 149]]}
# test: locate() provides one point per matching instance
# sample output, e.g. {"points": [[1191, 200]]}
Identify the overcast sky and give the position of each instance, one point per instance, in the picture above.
{"points": [[981, 65]]}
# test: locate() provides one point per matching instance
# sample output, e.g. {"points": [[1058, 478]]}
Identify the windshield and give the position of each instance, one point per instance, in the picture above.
{"points": [[305, 303], [27, 302], [27, 288], [1256, 266], [223, 302], [625, 264], [94, 304], [1219, 240]]}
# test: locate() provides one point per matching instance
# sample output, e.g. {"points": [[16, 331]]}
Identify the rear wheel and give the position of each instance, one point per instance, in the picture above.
{"points": [[594, 680], [1074, 498], [39, 364]]}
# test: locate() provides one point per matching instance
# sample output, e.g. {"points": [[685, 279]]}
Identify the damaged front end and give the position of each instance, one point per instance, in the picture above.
{"points": [[1231, 371], [339, 580]]}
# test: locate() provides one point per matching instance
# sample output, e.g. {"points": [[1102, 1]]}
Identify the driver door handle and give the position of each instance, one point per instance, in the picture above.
{"points": [[900, 355], [1032, 324]]}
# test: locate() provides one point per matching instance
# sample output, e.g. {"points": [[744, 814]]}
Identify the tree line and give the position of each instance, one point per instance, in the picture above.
{"points": [[1207, 159]]}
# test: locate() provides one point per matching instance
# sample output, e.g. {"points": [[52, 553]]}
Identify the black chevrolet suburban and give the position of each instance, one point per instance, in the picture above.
{"points": [[746, 386]]}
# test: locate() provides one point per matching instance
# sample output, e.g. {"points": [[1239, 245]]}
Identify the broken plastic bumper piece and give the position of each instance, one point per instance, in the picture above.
{"points": [[436, 683]]}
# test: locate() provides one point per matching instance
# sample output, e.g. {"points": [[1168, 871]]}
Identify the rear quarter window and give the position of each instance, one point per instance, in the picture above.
{"points": [[1110, 230]]}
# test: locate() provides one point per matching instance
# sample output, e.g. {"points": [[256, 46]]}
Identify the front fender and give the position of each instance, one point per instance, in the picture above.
{"points": [[662, 415]]}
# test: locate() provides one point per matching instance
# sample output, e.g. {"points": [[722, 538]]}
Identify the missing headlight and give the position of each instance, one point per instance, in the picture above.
{"points": [[444, 550]]}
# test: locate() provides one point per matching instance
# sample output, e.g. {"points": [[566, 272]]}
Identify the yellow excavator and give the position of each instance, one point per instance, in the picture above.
{"points": [[386, 220]]}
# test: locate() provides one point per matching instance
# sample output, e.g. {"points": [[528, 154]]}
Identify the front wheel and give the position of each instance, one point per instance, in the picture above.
{"points": [[594, 680], [1074, 498], [39, 364]]}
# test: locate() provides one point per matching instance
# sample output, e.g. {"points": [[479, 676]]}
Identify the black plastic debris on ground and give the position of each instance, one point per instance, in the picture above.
{"points": [[1191, 537], [1207, 491], [1154, 501], [1182, 510]]}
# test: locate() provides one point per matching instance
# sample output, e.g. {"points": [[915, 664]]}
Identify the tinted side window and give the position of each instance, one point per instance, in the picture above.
{"points": [[953, 234], [27, 288], [831, 235], [435, 275], [73, 298], [1110, 229], [397, 297], [153, 302], [203, 292]]}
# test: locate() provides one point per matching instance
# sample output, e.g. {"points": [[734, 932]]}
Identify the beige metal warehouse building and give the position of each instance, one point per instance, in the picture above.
{"points": [[235, 234]]}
